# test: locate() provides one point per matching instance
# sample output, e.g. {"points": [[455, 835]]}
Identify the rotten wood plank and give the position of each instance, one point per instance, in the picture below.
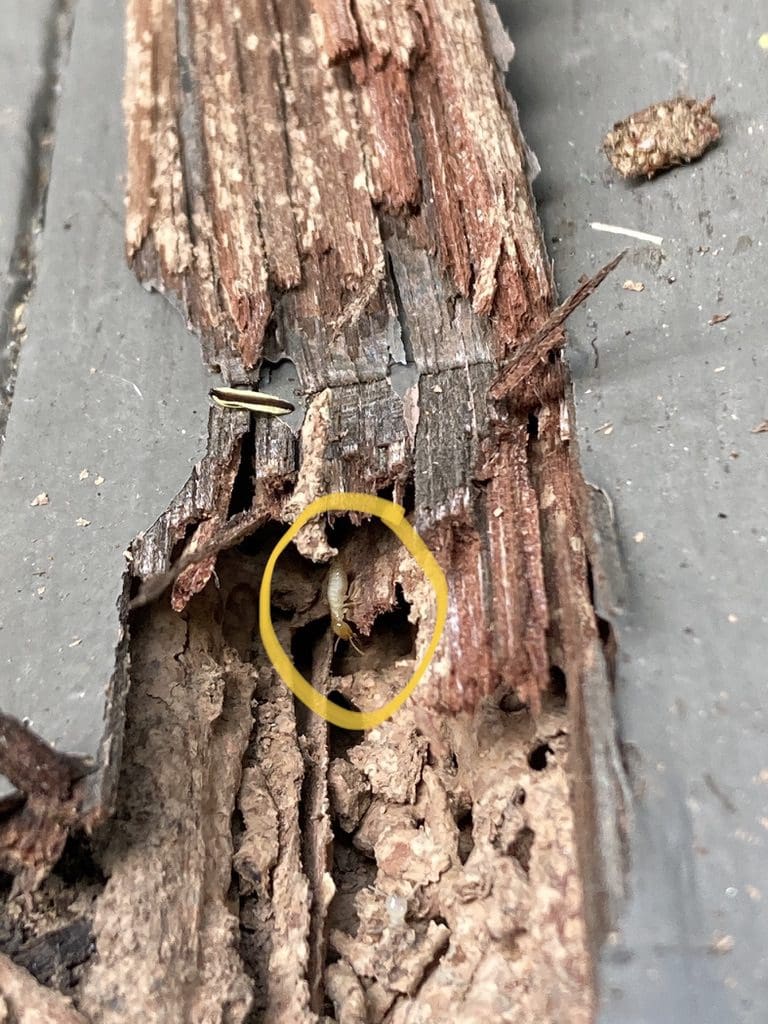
{"points": [[397, 262], [400, 264]]}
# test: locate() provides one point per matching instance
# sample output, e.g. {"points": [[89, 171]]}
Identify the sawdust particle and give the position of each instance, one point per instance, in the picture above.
{"points": [[722, 944]]}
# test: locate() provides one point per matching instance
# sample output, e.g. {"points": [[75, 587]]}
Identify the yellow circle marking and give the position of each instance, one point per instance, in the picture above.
{"points": [[393, 516]]}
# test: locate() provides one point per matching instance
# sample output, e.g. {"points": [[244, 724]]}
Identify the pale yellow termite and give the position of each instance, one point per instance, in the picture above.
{"points": [[337, 592]]}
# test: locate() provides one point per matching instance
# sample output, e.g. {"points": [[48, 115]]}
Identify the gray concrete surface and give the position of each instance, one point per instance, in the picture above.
{"points": [[109, 382], [688, 479]]}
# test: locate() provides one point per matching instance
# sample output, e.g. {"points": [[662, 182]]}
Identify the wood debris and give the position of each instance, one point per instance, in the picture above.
{"points": [[32, 839], [617, 229], [718, 318], [24, 1001], [549, 336], [661, 136]]}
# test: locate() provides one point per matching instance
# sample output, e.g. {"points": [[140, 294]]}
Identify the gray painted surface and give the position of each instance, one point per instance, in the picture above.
{"points": [[24, 36], [688, 479], [109, 381], [22, 70]]}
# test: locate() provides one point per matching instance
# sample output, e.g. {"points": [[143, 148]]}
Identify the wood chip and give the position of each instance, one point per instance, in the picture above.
{"points": [[661, 136], [99, 481], [82, 522], [761, 428], [84, 474], [718, 318], [41, 499], [604, 428], [633, 286]]}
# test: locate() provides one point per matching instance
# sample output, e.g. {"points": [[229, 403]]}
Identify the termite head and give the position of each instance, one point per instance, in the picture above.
{"points": [[344, 631]]}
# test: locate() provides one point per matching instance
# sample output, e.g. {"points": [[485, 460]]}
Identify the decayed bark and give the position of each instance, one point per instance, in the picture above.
{"points": [[345, 186], [24, 1001], [389, 196], [34, 827], [168, 854]]}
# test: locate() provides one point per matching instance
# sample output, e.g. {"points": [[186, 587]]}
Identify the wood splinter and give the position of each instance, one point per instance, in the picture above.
{"points": [[549, 336]]}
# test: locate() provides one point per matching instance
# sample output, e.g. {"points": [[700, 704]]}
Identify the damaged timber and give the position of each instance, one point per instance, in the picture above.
{"points": [[338, 195]]}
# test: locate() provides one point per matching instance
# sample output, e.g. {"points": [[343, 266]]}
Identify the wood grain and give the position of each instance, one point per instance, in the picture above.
{"points": [[349, 190]]}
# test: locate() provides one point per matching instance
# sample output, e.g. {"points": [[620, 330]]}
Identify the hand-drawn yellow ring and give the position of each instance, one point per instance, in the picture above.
{"points": [[393, 516]]}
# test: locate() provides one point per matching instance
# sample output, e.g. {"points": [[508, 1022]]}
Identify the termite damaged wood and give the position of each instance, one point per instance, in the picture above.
{"points": [[345, 188]]}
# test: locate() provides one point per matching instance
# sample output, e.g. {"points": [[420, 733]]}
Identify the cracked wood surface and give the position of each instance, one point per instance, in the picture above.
{"points": [[440, 276], [407, 239]]}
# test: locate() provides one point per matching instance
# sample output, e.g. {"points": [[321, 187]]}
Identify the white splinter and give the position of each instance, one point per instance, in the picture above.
{"points": [[337, 592]]}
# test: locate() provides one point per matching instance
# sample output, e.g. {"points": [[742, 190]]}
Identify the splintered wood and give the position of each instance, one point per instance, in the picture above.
{"points": [[345, 186], [398, 228]]}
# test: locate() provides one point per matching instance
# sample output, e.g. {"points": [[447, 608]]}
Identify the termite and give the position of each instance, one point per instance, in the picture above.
{"points": [[339, 600]]}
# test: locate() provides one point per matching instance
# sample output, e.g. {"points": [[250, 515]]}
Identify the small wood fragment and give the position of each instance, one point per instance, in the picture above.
{"points": [[33, 834], [549, 336], [51, 957], [31, 765], [718, 318], [661, 136], [761, 428]]}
